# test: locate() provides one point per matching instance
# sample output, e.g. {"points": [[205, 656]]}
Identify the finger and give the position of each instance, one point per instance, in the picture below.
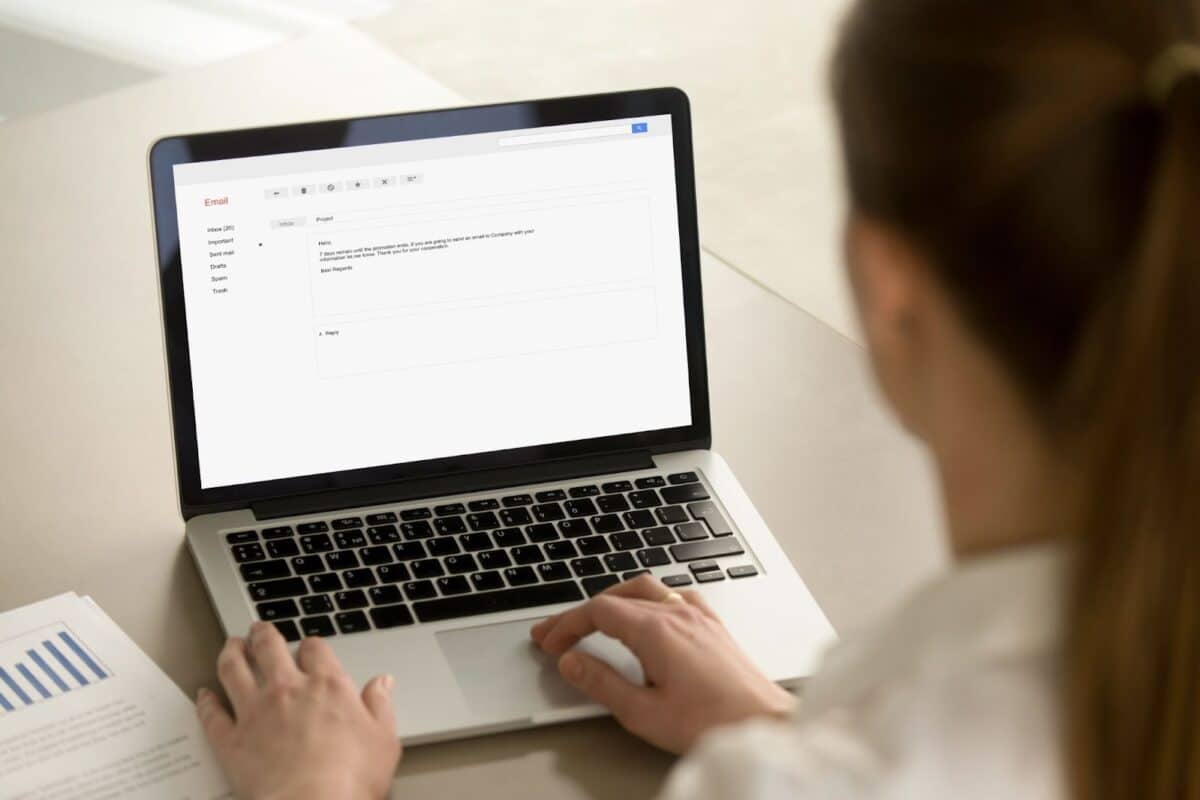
{"points": [[214, 719], [694, 598], [233, 670], [377, 696], [604, 685], [270, 653], [538, 631], [316, 657], [643, 587], [615, 616]]}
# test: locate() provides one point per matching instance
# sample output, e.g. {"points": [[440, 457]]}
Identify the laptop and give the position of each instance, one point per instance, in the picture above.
{"points": [[435, 376]]}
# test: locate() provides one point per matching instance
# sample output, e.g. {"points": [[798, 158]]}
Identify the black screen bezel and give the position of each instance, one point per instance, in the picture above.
{"points": [[172, 150]]}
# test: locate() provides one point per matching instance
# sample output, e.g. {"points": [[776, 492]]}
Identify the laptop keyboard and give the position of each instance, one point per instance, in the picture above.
{"points": [[348, 574]]}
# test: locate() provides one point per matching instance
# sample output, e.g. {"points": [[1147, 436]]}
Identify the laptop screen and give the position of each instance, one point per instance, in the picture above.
{"points": [[389, 303]]}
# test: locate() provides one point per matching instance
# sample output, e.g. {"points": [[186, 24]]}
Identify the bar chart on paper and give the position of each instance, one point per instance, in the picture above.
{"points": [[42, 664]]}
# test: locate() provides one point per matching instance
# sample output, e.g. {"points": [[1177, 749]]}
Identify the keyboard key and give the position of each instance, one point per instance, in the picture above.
{"points": [[744, 571], [383, 595], [650, 482], [476, 541], [504, 600], [574, 527], [411, 514], [617, 486], [684, 494], [585, 567], [419, 590], [691, 531], [354, 598], [391, 616], [644, 499], [520, 576], [550, 495], [316, 604], [307, 565], [277, 609], [494, 559], [528, 554], [619, 562], [449, 509], [316, 543], [670, 515], [483, 521], [580, 508], [547, 512], [460, 565], [584, 491], [592, 545], [241, 537], [392, 573], [487, 581], [373, 556], [282, 548], [356, 578], [354, 538], [443, 547], [248, 552], [383, 534], [682, 477], [447, 526], [677, 580], [408, 551], [638, 519], [707, 511], [352, 622], [276, 590], [612, 503], [596, 585], [488, 504], [709, 548], [317, 626], [553, 571], [653, 557], [508, 537], [517, 500], [265, 570], [278, 532], [287, 629], [455, 584], [628, 576], [515, 516], [657, 537], [429, 568], [312, 527], [560, 550], [382, 518], [541, 532], [703, 566], [625, 540], [710, 576], [413, 531], [608, 523], [343, 559], [325, 582], [346, 523]]}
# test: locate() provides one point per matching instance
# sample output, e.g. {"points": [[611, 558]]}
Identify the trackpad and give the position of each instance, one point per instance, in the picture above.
{"points": [[501, 672]]}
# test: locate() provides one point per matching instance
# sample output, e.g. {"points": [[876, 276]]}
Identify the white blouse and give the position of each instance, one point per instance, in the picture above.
{"points": [[955, 696]]}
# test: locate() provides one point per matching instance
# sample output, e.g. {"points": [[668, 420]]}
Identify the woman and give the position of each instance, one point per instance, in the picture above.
{"points": [[1023, 247]]}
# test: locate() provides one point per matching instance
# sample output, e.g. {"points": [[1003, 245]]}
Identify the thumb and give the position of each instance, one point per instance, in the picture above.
{"points": [[377, 696], [606, 686], [214, 719]]}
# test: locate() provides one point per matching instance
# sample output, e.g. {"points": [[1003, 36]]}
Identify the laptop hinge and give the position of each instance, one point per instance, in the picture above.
{"points": [[457, 483]]}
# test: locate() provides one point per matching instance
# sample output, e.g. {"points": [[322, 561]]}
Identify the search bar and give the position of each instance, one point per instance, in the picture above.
{"points": [[566, 136]]}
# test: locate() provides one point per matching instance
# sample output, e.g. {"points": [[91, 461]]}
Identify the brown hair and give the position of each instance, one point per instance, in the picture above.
{"points": [[1016, 143]]}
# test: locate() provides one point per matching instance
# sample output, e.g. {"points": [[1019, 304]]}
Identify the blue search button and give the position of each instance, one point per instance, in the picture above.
{"points": [[639, 127]]}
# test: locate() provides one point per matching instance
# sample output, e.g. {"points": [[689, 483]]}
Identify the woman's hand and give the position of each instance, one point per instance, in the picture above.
{"points": [[696, 676], [299, 728]]}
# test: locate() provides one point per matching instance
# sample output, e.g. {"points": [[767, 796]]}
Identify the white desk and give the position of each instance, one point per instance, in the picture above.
{"points": [[89, 499]]}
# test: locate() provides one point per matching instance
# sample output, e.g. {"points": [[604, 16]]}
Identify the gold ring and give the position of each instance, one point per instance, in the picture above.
{"points": [[672, 597]]}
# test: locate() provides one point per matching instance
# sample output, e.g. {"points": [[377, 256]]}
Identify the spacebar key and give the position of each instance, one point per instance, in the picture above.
{"points": [[709, 548], [467, 605]]}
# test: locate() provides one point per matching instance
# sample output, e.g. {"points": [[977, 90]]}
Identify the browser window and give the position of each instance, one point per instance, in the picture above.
{"points": [[388, 303]]}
